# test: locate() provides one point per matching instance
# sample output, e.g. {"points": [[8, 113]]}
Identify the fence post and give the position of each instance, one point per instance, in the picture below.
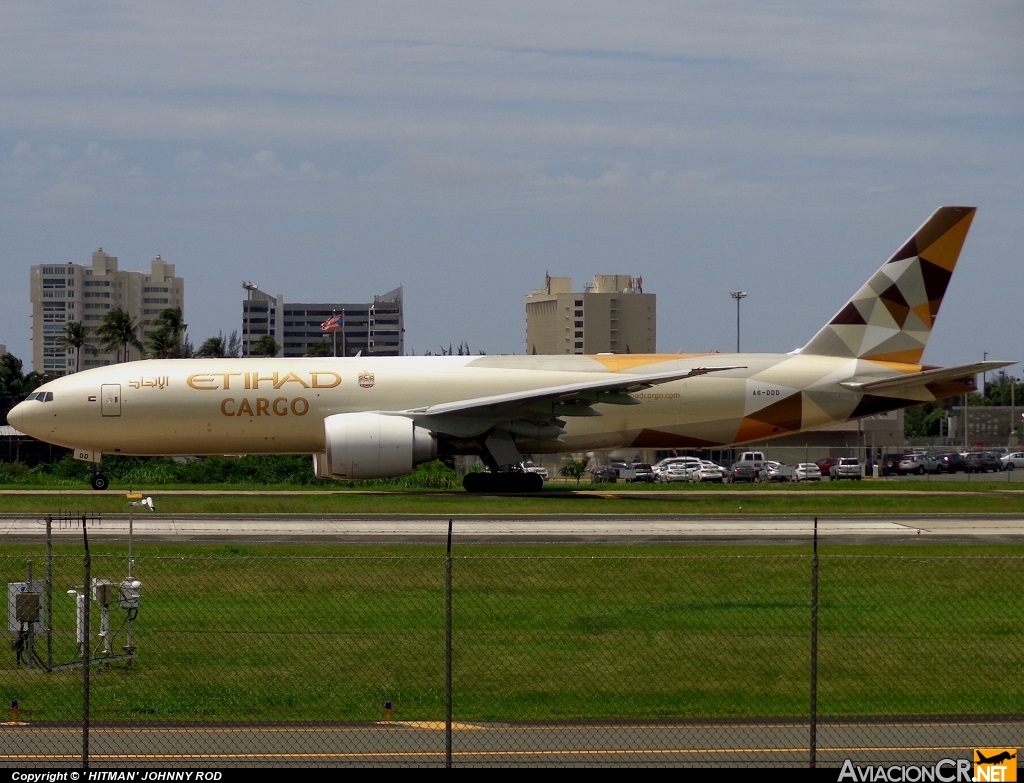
{"points": [[448, 651], [814, 651]]}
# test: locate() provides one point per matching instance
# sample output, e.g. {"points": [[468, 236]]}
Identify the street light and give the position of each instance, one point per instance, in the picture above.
{"points": [[737, 295]]}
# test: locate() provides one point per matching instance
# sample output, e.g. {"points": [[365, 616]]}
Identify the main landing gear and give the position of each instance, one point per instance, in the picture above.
{"points": [[511, 481]]}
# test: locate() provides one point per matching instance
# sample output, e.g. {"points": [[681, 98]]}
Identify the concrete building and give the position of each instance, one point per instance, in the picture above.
{"points": [[611, 315], [62, 293], [372, 328]]}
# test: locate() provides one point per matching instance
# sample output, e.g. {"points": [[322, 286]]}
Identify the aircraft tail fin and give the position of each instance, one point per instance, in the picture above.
{"points": [[890, 318]]}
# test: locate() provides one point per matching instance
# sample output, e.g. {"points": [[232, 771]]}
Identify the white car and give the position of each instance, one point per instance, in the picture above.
{"points": [[675, 471], [1013, 460], [661, 466], [776, 471], [707, 471], [808, 471], [532, 467]]}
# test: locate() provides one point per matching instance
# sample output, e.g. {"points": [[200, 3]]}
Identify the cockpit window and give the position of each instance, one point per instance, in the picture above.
{"points": [[41, 396]]}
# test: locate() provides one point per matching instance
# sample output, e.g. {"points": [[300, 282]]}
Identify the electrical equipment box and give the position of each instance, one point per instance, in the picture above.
{"points": [[131, 593], [28, 607], [24, 600], [102, 591]]}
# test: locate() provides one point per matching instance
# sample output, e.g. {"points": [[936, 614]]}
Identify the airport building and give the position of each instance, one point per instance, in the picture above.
{"points": [[611, 315], [63, 293], [365, 328]]}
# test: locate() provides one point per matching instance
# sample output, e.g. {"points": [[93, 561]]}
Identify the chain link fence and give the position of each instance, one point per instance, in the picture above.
{"points": [[537, 656]]}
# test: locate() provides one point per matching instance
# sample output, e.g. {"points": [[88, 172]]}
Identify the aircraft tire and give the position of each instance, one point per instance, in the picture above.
{"points": [[502, 482], [99, 481]]}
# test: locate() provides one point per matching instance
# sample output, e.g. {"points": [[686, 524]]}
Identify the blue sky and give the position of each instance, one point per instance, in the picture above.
{"points": [[335, 150]]}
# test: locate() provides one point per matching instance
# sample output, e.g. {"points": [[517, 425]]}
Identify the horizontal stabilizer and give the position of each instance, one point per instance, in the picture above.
{"points": [[918, 379]]}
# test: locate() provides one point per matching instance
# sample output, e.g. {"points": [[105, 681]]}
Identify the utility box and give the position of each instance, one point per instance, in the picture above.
{"points": [[24, 600], [28, 607], [102, 591]]}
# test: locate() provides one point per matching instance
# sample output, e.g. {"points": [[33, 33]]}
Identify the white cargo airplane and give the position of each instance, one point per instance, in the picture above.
{"points": [[372, 417]]}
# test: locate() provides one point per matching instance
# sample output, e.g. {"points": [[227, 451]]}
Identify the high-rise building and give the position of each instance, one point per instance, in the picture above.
{"points": [[611, 315], [63, 293], [366, 328]]}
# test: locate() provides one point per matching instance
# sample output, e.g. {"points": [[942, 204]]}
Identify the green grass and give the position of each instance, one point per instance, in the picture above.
{"points": [[838, 498], [258, 632]]}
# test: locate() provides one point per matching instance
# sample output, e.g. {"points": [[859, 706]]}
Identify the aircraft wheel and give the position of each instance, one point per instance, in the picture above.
{"points": [[502, 482], [99, 481]]}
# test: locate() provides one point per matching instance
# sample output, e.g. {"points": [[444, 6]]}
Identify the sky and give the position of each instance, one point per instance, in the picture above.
{"points": [[331, 151]]}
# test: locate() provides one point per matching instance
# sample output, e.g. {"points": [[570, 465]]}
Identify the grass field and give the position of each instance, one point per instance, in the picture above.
{"points": [[276, 633], [868, 497]]}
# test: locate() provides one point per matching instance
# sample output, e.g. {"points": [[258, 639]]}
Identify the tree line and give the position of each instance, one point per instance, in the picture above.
{"points": [[119, 334]]}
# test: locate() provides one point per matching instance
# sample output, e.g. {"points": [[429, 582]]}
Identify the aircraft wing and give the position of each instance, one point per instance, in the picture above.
{"points": [[918, 380], [550, 402]]}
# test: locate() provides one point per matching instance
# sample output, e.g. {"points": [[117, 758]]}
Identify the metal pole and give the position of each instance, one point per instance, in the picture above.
{"points": [[448, 651], [737, 295]]}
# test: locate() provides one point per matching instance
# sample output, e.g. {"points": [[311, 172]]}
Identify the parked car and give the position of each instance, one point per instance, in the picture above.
{"points": [[847, 468], [639, 472], [951, 462], [743, 473], [662, 465], [889, 464], [825, 465], [707, 471], [777, 471], [1013, 460], [807, 471], [918, 464], [532, 467], [982, 462], [676, 471], [604, 474]]}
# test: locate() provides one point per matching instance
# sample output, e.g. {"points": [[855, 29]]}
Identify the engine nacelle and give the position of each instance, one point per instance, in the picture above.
{"points": [[372, 445]]}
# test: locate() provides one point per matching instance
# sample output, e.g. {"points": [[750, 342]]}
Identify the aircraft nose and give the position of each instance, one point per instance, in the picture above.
{"points": [[16, 416], [25, 417]]}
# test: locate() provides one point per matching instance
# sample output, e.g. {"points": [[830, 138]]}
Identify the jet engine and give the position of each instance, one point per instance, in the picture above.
{"points": [[372, 445]]}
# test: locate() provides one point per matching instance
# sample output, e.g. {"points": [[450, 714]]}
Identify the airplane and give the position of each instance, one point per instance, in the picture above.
{"points": [[996, 759], [374, 417]]}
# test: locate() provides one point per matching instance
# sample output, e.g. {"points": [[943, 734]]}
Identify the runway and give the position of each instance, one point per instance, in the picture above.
{"points": [[524, 529]]}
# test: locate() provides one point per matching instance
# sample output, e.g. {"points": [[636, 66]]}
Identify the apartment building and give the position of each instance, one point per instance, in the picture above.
{"points": [[62, 293], [611, 314]]}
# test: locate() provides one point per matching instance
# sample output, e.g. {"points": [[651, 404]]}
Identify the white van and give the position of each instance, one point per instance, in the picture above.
{"points": [[755, 459]]}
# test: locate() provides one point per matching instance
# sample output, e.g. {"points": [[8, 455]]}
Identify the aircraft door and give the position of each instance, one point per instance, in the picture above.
{"points": [[110, 399]]}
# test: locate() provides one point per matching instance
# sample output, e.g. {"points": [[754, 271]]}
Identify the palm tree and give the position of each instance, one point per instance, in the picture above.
{"points": [[265, 346], [167, 338], [74, 338], [119, 331], [213, 347], [233, 347]]}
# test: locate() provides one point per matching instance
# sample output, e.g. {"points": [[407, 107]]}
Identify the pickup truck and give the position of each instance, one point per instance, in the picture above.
{"points": [[638, 471]]}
